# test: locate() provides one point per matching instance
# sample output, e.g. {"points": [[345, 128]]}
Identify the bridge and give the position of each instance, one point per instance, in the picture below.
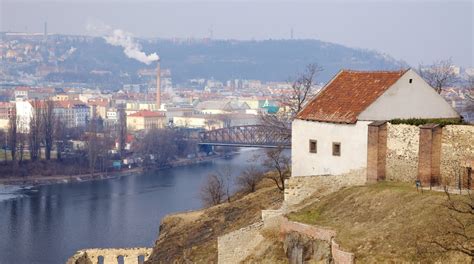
{"points": [[247, 136]]}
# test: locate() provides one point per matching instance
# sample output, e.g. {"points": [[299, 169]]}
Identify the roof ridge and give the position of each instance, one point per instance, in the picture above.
{"points": [[376, 71]]}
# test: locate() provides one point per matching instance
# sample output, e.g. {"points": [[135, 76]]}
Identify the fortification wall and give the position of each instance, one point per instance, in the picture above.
{"points": [[402, 152], [299, 188], [110, 255], [457, 149], [316, 233]]}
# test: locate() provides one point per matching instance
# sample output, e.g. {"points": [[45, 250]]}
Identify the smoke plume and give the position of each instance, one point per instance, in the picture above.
{"points": [[118, 37]]}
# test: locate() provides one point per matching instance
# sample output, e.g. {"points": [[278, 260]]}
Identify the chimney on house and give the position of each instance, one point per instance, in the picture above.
{"points": [[158, 85]]}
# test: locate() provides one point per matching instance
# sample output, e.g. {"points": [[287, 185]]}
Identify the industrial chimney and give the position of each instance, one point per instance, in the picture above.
{"points": [[158, 85]]}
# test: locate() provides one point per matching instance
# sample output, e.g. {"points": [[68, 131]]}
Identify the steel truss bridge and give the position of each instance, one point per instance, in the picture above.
{"points": [[247, 136]]}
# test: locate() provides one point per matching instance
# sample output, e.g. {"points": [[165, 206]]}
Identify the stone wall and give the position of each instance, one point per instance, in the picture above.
{"points": [[341, 256], [443, 159], [234, 247], [109, 255], [301, 249], [299, 188], [457, 147], [402, 153], [316, 233]]}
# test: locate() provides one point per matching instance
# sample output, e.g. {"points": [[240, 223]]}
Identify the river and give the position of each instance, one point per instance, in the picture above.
{"points": [[49, 223]]}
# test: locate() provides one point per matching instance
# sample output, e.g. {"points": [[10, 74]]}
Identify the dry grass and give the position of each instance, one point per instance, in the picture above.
{"points": [[384, 221], [193, 236]]}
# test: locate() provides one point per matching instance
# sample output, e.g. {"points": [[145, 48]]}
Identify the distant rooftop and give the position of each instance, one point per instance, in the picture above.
{"points": [[147, 113]]}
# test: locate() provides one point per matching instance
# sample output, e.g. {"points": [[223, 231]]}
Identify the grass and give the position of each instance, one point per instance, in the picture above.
{"points": [[384, 221]]}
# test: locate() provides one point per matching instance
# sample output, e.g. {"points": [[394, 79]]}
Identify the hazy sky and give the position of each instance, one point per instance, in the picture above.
{"points": [[414, 31]]}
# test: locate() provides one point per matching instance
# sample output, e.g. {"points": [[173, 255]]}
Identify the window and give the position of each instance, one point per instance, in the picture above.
{"points": [[336, 149], [313, 146], [410, 81]]}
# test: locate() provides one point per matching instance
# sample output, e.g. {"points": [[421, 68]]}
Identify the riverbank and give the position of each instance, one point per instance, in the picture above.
{"points": [[57, 179]]}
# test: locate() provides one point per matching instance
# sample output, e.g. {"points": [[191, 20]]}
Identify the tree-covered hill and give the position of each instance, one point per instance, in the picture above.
{"points": [[268, 60]]}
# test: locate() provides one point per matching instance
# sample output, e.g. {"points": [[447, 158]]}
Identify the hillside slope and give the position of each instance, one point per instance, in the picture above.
{"points": [[387, 221], [192, 236]]}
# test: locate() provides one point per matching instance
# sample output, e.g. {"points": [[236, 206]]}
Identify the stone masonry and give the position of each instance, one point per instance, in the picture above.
{"points": [[338, 255], [457, 151], [435, 155], [299, 188], [402, 153], [109, 255]]}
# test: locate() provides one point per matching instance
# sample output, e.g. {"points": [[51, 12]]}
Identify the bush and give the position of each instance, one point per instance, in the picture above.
{"points": [[420, 121], [249, 179]]}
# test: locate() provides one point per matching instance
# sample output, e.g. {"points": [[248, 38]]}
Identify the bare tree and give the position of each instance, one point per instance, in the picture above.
{"points": [[13, 132], [21, 139], [226, 175], [211, 122], [48, 127], [34, 134], [92, 144], [122, 131], [456, 232], [469, 107], [280, 166], [302, 89], [4, 138], [439, 75], [185, 144], [213, 191], [158, 147], [60, 134], [249, 179]]}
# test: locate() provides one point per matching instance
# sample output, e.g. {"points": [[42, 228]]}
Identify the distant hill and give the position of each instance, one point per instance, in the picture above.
{"points": [[268, 60]]}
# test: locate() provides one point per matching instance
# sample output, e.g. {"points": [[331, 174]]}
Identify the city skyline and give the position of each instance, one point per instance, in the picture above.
{"points": [[413, 31]]}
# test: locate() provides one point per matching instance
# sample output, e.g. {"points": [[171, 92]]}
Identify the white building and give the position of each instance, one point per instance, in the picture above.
{"points": [[24, 113], [217, 107], [330, 134], [72, 113]]}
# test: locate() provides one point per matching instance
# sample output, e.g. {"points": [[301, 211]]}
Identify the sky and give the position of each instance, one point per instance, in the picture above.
{"points": [[416, 31]]}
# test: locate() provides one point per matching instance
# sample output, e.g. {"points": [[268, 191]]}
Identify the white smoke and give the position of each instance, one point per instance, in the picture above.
{"points": [[118, 37], [71, 51]]}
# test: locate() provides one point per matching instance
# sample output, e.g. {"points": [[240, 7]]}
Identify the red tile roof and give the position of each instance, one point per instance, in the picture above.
{"points": [[68, 103], [147, 113], [347, 95]]}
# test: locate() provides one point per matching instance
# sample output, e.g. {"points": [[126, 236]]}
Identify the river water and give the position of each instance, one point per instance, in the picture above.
{"points": [[47, 224]]}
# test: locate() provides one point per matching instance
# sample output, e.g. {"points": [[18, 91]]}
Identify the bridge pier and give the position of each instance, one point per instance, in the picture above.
{"points": [[206, 148]]}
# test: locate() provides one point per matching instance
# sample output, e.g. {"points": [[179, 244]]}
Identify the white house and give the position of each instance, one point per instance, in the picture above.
{"points": [[330, 134], [24, 113]]}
